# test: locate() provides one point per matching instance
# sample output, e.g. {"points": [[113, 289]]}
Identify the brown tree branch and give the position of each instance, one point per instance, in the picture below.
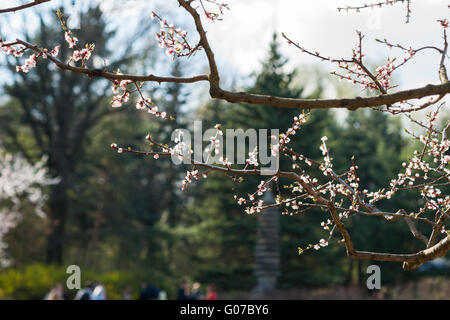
{"points": [[351, 104], [410, 261], [436, 230], [439, 250], [25, 6], [214, 76], [416, 232], [235, 97], [110, 75]]}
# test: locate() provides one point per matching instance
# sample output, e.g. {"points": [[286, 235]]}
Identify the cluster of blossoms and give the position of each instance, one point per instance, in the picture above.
{"points": [[295, 205], [225, 161], [444, 23], [262, 187], [190, 175], [174, 39], [355, 70], [326, 225], [30, 63], [256, 205], [79, 54], [10, 49], [285, 137], [345, 185], [146, 103], [122, 95], [425, 170], [384, 74], [253, 157], [254, 209], [358, 73], [142, 104], [210, 15], [120, 85], [181, 149], [119, 100], [240, 201], [322, 243], [183, 152], [83, 54], [70, 39], [355, 75], [54, 53], [327, 167], [216, 141]]}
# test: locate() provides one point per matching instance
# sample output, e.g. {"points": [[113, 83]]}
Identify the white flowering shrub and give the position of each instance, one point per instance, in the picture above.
{"points": [[20, 183]]}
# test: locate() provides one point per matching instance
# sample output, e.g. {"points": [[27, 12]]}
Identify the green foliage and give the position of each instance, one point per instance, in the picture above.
{"points": [[32, 282], [35, 280]]}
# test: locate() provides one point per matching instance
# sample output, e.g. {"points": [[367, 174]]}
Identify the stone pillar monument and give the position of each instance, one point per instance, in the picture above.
{"points": [[267, 249]]}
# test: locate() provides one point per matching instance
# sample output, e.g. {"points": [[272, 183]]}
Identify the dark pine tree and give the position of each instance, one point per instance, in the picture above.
{"points": [[57, 109]]}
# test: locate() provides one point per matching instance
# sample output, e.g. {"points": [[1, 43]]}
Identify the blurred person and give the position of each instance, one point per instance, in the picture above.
{"points": [[181, 292], [188, 292], [127, 292], [99, 292], [153, 292], [149, 292], [143, 293], [56, 293], [85, 293], [162, 295], [211, 293], [196, 293]]}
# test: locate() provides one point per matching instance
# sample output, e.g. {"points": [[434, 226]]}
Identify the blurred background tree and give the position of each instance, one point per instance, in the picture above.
{"points": [[50, 113]]}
